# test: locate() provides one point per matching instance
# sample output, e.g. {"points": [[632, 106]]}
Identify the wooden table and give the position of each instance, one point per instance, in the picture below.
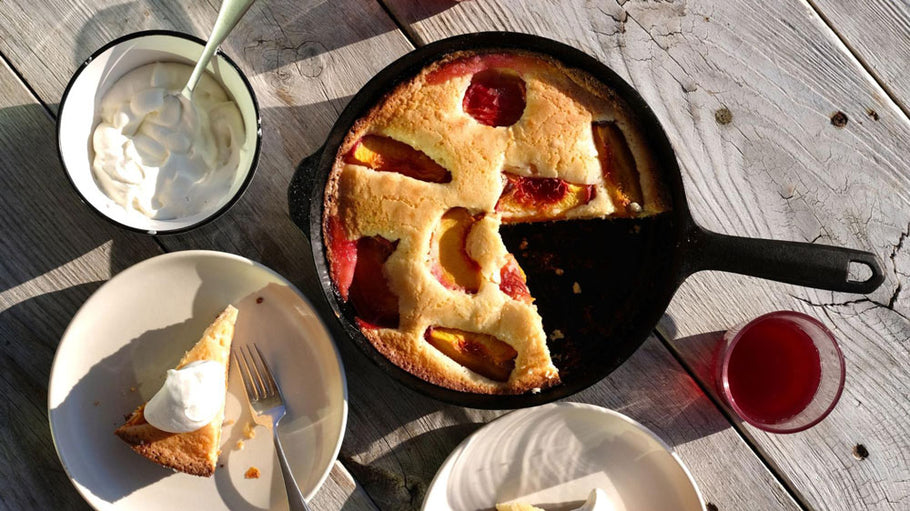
{"points": [[746, 92]]}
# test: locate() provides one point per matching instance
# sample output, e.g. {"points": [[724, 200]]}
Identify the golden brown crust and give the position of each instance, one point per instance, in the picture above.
{"points": [[195, 452], [553, 138]]}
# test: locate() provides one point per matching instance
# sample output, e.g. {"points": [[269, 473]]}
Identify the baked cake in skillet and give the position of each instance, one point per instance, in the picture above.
{"points": [[422, 183]]}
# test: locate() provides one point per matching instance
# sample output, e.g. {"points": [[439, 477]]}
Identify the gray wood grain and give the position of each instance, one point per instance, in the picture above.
{"points": [[53, 254], [778, 72], [780, 170], [878, 33], [303, 70]]}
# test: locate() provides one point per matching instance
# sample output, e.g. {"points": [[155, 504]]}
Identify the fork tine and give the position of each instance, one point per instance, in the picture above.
{"points": [[244, 369], [271, 385], [255, 374]]}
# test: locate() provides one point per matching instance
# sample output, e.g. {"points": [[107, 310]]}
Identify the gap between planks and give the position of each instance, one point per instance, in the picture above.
{"points": [[851, 51], [409, 34], [28, 87]]}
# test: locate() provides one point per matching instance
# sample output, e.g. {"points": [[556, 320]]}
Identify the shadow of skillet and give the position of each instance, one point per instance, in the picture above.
{"points": [[399, 479]]}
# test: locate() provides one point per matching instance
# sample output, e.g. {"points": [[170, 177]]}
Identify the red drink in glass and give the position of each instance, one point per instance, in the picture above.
{"points": [[781, 372]]}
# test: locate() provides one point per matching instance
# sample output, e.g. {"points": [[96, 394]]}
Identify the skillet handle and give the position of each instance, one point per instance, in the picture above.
{"points": [[802, 264], [300, 191]]}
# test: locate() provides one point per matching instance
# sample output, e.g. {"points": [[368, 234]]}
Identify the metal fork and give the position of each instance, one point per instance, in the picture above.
{"points": [[268, 404]]}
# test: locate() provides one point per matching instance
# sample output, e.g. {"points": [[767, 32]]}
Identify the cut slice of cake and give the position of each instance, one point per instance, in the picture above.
{"points": [[194, 452]]}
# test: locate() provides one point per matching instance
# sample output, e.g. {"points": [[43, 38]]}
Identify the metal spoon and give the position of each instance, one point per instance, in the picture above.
{"points": [[228, 15]]}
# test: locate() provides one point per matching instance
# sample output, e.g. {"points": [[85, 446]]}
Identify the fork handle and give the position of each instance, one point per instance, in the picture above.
{"points": [[296, 502]]}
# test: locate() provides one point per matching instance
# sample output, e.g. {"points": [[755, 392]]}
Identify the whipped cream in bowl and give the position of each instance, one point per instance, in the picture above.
{"points": [[160, 154], [144, 156]]}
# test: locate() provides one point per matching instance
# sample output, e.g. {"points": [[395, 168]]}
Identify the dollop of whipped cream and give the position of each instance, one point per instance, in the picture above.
{"points": [[160, 155], [189, 399]]}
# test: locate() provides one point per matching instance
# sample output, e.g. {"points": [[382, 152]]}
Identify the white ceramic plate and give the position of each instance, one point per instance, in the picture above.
{"points": [[113, 357], [553, 455]]}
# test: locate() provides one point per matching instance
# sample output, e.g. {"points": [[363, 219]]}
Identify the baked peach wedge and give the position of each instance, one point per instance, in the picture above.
{"points": [[357, 270], [449, 260], [484, 354], [384, 154], [535, 199], [513, 281], [618, 166], [495, 98]]}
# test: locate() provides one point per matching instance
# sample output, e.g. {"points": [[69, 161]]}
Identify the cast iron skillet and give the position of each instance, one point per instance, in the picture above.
{"points": [[626, 269]]}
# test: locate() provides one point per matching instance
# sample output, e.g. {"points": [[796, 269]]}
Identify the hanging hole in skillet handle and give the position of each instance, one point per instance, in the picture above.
{"points": [[859, 271], [300, 191], [803, 264]]}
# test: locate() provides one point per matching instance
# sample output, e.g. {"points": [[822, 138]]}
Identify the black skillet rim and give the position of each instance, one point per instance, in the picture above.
{"points": [[405, 68]]}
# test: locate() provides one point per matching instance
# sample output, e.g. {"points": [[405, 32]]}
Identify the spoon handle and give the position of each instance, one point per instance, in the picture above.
{"points": [[228, 15]]}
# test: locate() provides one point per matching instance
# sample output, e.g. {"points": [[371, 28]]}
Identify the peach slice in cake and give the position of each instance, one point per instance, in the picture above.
{"points": [[513, 281], [620, 173], [449, 260], [375, 303], [481, 353], [532, 199], [495, 98], [195, 452], [385, 154]]}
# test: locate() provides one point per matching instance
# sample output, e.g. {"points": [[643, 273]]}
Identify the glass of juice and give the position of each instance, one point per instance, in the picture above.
{"points": [[781, 372]]}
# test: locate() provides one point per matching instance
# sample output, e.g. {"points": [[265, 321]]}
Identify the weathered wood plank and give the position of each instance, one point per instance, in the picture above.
{"points": [[46, 42], [341, 491], [53, 254], [878, 33], [780, 170], [353, 41]]}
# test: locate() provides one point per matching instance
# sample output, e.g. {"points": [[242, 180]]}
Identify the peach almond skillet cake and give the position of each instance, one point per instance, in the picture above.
{"points": [[422, 183]]}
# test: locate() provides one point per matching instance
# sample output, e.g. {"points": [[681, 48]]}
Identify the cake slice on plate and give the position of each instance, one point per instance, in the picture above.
{"points": [[188, 411]]}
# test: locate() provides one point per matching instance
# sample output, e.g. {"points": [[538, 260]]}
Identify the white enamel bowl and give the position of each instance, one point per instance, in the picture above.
{"points": [[78, 116]]}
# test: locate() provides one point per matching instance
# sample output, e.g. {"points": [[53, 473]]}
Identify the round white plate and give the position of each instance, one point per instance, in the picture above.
{"points": [[552, 456], [113, 357]]}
